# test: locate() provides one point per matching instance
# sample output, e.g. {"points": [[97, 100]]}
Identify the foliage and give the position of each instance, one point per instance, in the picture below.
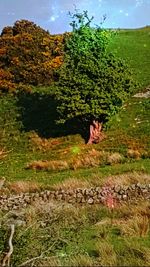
{"points": [[6, 81], [28, 55], [10, 124], [92, 83]]}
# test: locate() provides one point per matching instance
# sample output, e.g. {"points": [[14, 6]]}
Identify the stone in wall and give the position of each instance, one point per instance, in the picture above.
{"points": [[80, 196]]}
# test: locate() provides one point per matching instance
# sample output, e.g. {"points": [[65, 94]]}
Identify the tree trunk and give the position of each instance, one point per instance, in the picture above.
{"points": [[95, 133]]}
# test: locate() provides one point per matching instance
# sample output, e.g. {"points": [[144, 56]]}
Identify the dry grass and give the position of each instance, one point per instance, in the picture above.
{"points": [[134, 219], [134, 154], [48, 261], [52, 210], [90, 158], [31, 217], [114, 158], [81, 260], [3, 153], [23, 186], [71, 184], [107, 255], [142, 208], [62, 214], [94, 153], [126, 211], [43, 144], [125, 179], [137, 255], [129, 178], [83, 159], [136, 226], [43, 208], [93, 158], [84, 162], [48, 165]]}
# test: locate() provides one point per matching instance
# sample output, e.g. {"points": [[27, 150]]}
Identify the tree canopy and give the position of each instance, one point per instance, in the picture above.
{"points": [[92, 83], [28, 55]]}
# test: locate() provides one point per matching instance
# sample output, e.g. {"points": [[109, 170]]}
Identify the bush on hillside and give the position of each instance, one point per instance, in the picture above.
{"points": [[28, 55]]}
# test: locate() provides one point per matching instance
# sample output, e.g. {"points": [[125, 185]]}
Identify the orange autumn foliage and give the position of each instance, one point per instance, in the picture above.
{"points": [[28, 55]]}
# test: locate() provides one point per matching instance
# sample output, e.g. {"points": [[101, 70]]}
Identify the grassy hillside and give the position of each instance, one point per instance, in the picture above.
{"points": [[63, 234], [127, 134], [128, 130], [134, 46]]}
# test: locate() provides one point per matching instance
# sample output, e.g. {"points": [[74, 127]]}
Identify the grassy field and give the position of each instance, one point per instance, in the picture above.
{"points": [[59, 234], [134, 46], [63, 235]]}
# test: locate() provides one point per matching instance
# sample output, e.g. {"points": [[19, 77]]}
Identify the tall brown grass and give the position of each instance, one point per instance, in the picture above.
{"points": [[48, 165], [107, 255], [23, 186]]}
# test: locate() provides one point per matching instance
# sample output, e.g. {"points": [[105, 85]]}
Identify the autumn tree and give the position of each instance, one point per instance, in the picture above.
{"points": [[92, 83], [28, 55]]}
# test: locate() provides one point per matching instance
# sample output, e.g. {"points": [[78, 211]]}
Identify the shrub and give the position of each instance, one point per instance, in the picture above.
{"points": [[28, 55]]}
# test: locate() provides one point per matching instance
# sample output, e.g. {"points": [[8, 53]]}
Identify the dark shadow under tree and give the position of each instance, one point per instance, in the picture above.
{"points": [[38, 112]]}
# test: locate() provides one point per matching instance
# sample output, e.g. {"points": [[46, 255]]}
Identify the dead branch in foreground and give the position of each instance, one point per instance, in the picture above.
{"points": [[36, 258], [8, 255]]}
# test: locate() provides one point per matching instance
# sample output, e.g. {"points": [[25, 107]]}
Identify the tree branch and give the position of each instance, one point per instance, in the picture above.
{"points": [[8, 255], [36, 258]]}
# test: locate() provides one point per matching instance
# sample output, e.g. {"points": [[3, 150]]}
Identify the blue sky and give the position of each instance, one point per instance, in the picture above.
{"points": [[52, 15]]}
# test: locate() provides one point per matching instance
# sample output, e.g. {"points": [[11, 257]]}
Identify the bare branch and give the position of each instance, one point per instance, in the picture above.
{"points": [[40, 257], [8, 255], [36, 258]]}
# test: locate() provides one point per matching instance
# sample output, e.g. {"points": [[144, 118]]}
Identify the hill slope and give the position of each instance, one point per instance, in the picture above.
{"points": [[65, 234], [134, 46], [128, 130]]}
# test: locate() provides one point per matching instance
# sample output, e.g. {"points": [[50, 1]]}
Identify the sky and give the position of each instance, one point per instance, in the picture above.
{"points": [[52, 15]]}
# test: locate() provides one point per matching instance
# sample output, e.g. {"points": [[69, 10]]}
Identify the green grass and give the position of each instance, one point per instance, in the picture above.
{"points": [[14, 170], [127, 130], [77, 236], [131, 126], [66, 234], [134, 46]]}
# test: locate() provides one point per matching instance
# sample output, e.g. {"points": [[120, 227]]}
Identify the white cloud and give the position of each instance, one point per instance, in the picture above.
{"points": [[139, 3], [100, 3], [123, 12], [10, 13]]}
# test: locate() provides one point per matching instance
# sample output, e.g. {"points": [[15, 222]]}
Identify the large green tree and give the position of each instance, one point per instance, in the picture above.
{"points": [[92, 83]]}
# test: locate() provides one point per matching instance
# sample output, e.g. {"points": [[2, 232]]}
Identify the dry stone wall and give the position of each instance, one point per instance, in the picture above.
{"points": [[94, 195]]}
